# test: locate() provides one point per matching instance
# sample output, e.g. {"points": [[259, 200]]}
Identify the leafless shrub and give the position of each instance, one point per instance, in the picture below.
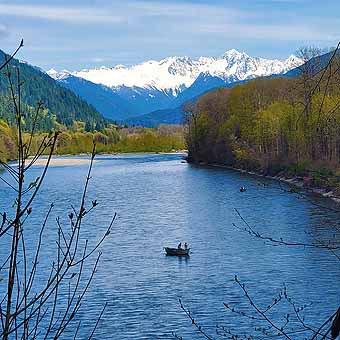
{"points": [[38, 302]]}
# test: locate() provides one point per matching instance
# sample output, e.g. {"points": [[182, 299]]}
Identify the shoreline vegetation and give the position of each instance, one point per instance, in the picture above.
{"points": [[282, 128], [112, 139]]}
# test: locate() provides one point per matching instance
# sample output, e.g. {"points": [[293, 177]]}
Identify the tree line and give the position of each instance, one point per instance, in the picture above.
{"points": [[110, 139], [273, 124]]}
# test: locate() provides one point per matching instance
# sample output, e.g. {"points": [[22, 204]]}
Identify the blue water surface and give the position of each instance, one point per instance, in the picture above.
{"points": [[161, 201]]}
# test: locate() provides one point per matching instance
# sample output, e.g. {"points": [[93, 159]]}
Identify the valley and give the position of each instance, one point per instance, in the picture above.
{"points": [[131, 94], [169, 170]]}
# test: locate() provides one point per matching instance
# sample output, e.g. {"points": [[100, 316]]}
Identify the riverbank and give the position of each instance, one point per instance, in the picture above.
{"points": [[299, 182], [83, 158]]}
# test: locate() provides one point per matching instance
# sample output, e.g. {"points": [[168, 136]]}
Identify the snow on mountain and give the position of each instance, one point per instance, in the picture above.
{"points": [[59, 75], [161, 85], [172, 75]]}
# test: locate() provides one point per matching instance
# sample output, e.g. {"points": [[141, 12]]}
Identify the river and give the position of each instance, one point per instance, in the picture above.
{"points": [[161, 201]]}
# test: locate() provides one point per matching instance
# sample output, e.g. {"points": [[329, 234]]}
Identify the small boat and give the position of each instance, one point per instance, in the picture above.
{"points": [[177, 251]]}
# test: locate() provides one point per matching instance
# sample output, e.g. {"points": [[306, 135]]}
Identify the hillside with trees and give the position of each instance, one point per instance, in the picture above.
{"points": [[61, 105], [272, 126]]}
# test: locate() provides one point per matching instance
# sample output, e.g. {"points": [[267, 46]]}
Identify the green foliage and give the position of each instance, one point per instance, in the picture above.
{"points": [[271, 125], [245, 160], [275, 168], [299, 169], [112, 139], [149, 140], [7, 142]]}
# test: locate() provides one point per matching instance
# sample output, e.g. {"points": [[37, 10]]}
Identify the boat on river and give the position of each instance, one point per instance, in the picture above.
{"points": [[177, 251]]}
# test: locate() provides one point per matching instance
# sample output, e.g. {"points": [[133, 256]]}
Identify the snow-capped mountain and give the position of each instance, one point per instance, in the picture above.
{"points": [[64, 74], [174, 74], [155, 85]]}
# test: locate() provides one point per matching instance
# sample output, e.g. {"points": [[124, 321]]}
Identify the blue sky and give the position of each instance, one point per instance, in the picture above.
{"points": [[76, 34]]}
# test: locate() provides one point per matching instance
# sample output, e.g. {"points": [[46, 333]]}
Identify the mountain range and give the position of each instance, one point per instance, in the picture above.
{"points": [[159, 88]]}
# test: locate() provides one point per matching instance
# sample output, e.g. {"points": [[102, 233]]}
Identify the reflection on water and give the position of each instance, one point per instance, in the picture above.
{"points": [[180, 259], [160, 202]]}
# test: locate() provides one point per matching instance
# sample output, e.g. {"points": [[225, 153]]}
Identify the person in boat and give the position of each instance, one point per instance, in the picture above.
{"points": [[180, 246], [185, 246]]}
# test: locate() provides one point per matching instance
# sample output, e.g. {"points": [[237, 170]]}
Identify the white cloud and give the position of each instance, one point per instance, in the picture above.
{"points": [[278, 32], [3, 31], [180, 10], [128, 31], [66, 14], [100, 59], [231, 23]]}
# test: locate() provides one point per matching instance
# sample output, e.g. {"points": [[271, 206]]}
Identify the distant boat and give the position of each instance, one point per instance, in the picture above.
{"points": [[177, 251]]}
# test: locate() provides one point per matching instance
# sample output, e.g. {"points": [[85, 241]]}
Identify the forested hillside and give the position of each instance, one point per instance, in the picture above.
{"points": [[106, 101], [271, 125], [62, 104]]}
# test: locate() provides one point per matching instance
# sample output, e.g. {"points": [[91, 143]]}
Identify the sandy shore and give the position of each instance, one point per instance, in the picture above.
{"points": [[59, 161], [63, 161], [69, 160]]}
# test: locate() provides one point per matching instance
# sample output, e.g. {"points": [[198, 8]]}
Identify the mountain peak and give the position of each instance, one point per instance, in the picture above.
{"points": [[51, 72], [294, 59], [233, 53], [176, 59], [58, 75], [119, 66]]}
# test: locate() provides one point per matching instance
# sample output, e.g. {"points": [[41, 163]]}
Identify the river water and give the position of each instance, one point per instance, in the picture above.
{"points": [[161, 201]]}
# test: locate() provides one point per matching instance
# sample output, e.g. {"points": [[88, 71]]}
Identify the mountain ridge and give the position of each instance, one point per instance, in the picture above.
{"points": [[174, 74], [153, 86]]}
